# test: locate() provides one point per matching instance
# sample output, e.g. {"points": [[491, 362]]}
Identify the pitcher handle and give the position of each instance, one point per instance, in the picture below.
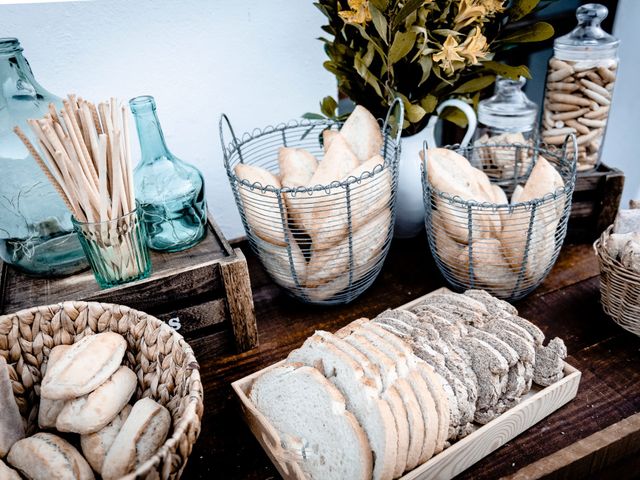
{"points": [[468, 112]]}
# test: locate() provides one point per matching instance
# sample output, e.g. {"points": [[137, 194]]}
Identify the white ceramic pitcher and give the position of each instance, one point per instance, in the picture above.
{"points": [[410, 205]]}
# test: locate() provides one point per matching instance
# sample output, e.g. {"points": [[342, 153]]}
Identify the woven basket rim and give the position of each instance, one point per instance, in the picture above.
{"points": [[195, 395], [613, 263]]}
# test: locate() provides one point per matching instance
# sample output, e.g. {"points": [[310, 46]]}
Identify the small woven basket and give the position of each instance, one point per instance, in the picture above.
{"points": [[505, 248], [164, 363], [619, 287], [342, 253]]}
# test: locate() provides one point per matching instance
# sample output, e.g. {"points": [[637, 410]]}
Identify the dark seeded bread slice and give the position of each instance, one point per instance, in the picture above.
{"points": [[494, 305], [549, 366]]}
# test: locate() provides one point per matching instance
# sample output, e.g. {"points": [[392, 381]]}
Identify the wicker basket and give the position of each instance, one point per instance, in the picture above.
{"points": [[164, 363], [619, 288]]}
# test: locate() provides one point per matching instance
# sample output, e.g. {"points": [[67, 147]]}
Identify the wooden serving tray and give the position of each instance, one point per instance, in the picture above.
{"points": [[536, 405]]}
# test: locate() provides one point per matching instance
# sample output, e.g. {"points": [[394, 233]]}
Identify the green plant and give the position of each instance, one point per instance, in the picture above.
{"points": [[423, 51]]}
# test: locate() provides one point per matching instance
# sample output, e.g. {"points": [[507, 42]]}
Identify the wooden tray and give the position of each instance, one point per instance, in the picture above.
{"points": [[536, 405], [195, 291]]}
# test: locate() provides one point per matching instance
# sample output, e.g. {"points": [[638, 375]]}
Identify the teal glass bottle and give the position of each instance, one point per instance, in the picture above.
{"points": [[169, 191], [36, 234]]}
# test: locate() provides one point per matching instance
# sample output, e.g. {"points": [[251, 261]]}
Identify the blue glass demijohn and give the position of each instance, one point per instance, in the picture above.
{"points": [[36, 234], [169, 191]]}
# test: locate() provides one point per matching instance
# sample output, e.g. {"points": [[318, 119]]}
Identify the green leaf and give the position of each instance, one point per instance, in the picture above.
{"points": [[402, 44], [366, 36], [381, 5], [313, 116], [328, 106], [409, 7], [521, 8], [507, 70], [446, 32], [380, 22], [414, 112], [429, 103], [478, 83], [366, 75], [454, 115], [369, 54], [425, 64], [531, 33]]}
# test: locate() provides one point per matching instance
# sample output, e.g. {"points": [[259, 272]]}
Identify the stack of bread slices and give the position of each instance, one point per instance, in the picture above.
{"points": [[499, 235], [327, 233], [85, 391], [380, 397]]}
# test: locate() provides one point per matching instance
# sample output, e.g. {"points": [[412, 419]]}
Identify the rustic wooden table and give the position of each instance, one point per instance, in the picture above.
{"points": [[597, 435]]}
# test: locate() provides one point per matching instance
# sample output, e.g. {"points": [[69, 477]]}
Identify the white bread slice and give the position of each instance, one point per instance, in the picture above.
{"points": [[90, 413], [96, 445], [361, 395], [11, 425], [47, 456], [362, 133], [143, 433], [8, 473], [262, 208], [84, 367], [48, 410], [435, 384], [303, 406]]}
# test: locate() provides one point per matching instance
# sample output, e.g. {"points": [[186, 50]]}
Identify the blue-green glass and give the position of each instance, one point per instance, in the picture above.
{"points": [[170, 191], [36, 235], [116, 249]]}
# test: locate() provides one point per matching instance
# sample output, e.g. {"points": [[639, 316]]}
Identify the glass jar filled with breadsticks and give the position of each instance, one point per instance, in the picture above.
{"points": [[87, 158], [580, 81]]}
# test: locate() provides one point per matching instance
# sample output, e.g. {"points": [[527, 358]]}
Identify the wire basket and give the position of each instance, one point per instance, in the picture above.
{"points": [[619, 287], [506, 249], [323, 244]]}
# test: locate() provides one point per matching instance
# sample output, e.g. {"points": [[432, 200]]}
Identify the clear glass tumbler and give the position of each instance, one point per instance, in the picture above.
{"points": [[116, 249]]}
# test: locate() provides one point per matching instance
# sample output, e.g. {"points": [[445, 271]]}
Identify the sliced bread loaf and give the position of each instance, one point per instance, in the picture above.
{"points": [[303, 405]]}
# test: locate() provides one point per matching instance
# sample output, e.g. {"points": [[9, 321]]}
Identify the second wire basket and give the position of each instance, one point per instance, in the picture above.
{"points": [[506, 248]]}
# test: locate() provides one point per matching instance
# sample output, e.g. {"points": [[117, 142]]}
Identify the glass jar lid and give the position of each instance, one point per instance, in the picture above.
{"points": [[588, 41], [509, 108]]}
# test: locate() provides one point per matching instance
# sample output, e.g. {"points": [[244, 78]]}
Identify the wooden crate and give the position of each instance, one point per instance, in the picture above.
{"points": [[596, 199], [195, 291], [536, 405]]}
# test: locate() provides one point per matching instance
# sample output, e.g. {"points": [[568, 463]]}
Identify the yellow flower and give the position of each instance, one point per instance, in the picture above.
{"points": [[359, 12], [468, 12], [448, 55], [475, 46], [492, 6]]}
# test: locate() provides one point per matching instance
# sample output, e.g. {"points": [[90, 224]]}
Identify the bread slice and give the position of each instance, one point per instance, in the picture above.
{"points": [[96, 445], [362, 132], [308, 410], [265, 211], [90, 413], [84, 367], [143, 433], [435, 384], [48, 410], [493, 304], [461, 301], [11, 425], [361, 397], [44, 456], [549, 366], [7, 473]]}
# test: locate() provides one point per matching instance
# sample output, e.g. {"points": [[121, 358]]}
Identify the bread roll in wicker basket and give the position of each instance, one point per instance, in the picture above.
{"points": [[164, 363], [619, 288]]}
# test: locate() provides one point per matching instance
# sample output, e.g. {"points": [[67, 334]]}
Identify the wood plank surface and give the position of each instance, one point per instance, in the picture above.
{"points": [[566, 305]]}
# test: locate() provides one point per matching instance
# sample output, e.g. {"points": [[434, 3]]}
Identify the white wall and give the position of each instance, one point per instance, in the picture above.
{"points": [[622, 141], [257, 61]]}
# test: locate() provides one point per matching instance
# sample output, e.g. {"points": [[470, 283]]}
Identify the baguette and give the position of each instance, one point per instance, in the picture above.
{"points": [[142, 434], [46, 456], [84, 367], [11, 425]]}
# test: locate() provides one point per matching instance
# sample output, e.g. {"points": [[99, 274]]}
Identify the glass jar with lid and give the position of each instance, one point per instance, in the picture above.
{"points": [[506, 118], [579, 88], [36, 234]]}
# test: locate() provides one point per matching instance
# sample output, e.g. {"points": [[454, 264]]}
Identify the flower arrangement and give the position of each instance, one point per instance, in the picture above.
{"points": [[423, 51]]}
